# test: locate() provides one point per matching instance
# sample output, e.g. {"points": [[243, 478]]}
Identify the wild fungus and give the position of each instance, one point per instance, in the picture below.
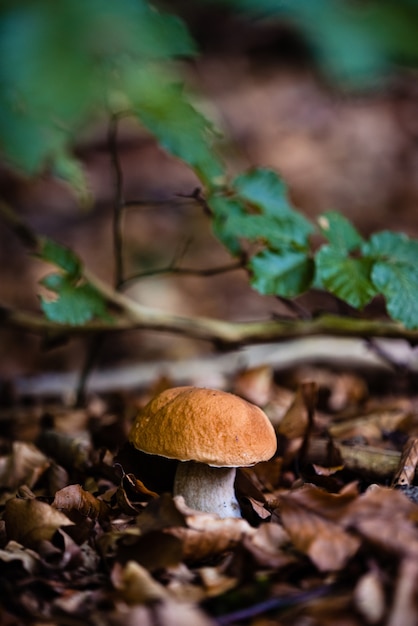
{"points": [[211, 433]]}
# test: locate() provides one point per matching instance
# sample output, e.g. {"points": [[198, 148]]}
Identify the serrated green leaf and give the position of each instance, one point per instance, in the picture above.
{"points": [[70, 169], [276, 232], [395, 273], [347, 278], [284, 274], [57, 61], [392, 247], [398, 282], [265, 189], [61, 256], [166, 110], [75, 304], [54, 281], [224, 211], [339, 231]]}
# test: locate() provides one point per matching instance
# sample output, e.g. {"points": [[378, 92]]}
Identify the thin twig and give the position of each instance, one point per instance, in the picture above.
{"points": [[129, 314], [119, 203], [185, 271]]}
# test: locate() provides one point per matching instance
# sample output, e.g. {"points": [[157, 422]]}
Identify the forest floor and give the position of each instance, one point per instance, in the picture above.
{"points": [[90, 533]]}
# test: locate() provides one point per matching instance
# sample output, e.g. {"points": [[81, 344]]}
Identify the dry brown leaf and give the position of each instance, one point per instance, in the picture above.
{"points": [[135, 584], [69, 451], [14, 551], [24, 465], [208, 535], [167, 613], [326, 543], [405, 610], [332, 506], [373, 425], [30, 522], [369, 597], [255, 384], [387, 519], [215, 582], [266, 546], [74, 499], [296, 420], [408, 464]]}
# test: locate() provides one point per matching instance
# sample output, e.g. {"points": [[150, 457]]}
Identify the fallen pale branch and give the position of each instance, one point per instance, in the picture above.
{"points": [[225, 333]]}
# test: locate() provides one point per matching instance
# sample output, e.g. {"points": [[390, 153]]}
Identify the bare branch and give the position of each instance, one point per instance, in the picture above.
{"points": [[119, 202], [132, 315], [185, 271]]}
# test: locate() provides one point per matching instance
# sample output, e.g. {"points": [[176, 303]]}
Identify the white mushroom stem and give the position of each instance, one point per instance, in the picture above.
{"points": [[206, 488]]}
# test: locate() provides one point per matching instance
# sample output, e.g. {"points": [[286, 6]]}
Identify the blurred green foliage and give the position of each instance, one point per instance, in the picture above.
{"points": [[66, 64], [356, 43]]}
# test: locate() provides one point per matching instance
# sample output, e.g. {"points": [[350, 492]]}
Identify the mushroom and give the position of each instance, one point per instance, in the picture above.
{"points": [[211, 433]]}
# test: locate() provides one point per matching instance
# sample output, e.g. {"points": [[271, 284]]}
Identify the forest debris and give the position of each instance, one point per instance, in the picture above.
{"points": [[255, 384], [326, 543], [135, 584], [31, 522], [69, 451], [14, 551], [404, 610], [407, 464], [24, 465], [369, 597], [387, 519], [78, 503], [206, 534], [369, 460], [371, 426]]}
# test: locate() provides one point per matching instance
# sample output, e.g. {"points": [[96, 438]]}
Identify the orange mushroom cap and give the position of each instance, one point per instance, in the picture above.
{"points": [[204, 425]]}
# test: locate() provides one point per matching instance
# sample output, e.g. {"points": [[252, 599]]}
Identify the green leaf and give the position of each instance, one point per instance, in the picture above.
{"points": [[58, 61], [265, 189], [398, 282], [339, 231], [225, 210], [70, 169], [395, 274], [63, 257], [392, 247], [276, 232], [347, 278], [284, 274], [165, 109], [75, 304]]}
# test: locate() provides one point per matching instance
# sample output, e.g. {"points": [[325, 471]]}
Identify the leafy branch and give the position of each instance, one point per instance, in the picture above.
{"points": [[112, 311], [135, 72]]}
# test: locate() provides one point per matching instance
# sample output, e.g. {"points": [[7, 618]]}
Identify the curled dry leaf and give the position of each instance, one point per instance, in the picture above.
{"points": [[369, 597], [14, 551], [132, 494], [30, 522], [135, 584], [24, 465], [167, 613], [408, 464], [386, 519], [372, 426], [266, 546], [255, 384], [405, 610], [70, 452], [208, 535], [215, 582], [326, 543], [74, 499]]}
